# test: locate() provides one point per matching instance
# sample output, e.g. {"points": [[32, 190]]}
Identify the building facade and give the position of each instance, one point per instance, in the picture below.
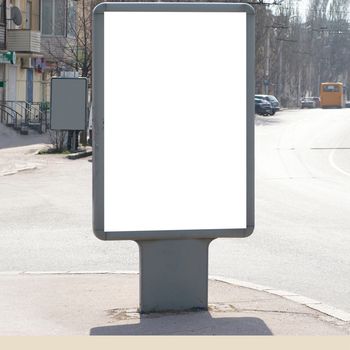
{"points": [[2, 47], [31, 49], [58, 18], [23, 40]]}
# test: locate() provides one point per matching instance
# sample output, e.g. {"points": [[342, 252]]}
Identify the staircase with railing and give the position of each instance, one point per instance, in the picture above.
{"points": [[22, 116]]}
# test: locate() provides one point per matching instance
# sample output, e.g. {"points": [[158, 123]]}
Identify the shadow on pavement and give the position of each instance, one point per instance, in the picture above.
{"points": [[262, 121], [199, 323], [10, 138]]}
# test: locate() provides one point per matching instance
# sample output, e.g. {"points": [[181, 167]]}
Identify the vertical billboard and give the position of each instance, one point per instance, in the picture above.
{"points": [[68, 110], [173, 120]]}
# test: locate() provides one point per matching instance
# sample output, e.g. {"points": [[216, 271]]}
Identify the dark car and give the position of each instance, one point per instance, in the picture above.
{"points": [[308, 102], [263, 107], [273, 101]]}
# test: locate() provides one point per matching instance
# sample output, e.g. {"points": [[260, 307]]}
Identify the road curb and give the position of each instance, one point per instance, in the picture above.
{"points": [[78, 155], [19, 170], [311, 303], [299, 299], [72, 156]]}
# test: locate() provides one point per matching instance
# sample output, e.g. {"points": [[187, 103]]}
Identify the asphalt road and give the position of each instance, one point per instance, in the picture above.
{"points": [[302, 238], [301, 242]]}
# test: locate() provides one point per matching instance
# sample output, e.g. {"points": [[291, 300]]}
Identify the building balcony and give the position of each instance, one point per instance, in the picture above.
{"points": [[23, 40]]}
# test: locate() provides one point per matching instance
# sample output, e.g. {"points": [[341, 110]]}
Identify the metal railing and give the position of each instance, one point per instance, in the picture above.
{"points": [[26, 114], [12, 118], [43, 111]]}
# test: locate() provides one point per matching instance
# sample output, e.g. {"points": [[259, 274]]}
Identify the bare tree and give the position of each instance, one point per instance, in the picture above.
{"points": [[74, 50], [300, 53], [293, 53], [57, 139]]}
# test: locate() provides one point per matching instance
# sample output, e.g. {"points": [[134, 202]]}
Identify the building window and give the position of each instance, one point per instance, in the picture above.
{"points": [[53, 17], [28, 24], [71, 18], [2, 12]]}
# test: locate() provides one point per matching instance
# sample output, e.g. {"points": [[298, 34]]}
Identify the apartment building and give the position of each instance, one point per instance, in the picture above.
{"points": [[23, 40], [58, 18], [3, 52], [35, 46]]}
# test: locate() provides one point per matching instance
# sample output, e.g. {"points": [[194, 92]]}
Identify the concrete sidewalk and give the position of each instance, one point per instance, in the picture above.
{"points": [[106, 304]]}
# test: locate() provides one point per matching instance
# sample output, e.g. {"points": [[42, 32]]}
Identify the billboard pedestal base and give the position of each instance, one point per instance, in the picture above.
{"points": [[173, 275]]}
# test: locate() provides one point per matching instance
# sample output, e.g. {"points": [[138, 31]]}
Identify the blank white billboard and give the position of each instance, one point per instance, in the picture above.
{"points": [[175, 116]]}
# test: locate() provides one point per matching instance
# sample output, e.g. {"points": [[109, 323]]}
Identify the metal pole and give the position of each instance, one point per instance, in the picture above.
{"points": [[74, 141], [267, 63], [69, 140], [173, 275]]}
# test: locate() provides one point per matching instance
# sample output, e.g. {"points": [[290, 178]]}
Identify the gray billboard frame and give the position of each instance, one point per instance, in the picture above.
{"points": [[98, 121], [173, 264], [67, 127]]}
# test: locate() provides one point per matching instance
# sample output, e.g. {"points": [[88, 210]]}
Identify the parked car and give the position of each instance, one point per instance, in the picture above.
{"points": [[308, 102], [263, 107], [273, 101], [347, 104]]}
